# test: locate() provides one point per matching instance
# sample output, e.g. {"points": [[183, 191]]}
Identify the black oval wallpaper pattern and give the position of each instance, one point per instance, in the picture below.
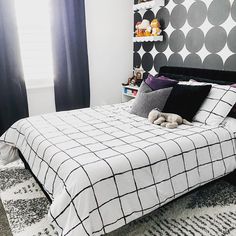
{"points": [[197, 33]]}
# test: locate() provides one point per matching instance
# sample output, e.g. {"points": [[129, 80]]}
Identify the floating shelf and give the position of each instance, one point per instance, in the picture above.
{"points": [[130, 91], [129, 95], [148, 39], [149, 5], [131, 87]]}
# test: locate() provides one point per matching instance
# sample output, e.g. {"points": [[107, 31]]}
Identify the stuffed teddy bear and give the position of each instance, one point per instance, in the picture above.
{"points": [[143, 28], [155, 25], [168, 120], [136, 79], [139, 32]]}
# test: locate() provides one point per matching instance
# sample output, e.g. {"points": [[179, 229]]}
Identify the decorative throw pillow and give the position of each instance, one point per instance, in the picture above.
{"points": [[217, 105], [233, 110], [185, 100], [230, 123], [160, 82], [146, 100]]}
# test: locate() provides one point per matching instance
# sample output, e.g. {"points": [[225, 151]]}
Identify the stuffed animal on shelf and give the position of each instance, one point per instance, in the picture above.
{"points": [[136, 79], [168, 120], [143, 28], [138, 32], [155, 27]]}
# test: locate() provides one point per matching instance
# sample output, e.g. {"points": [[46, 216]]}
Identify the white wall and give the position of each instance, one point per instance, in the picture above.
{"points": [[110, 48]]}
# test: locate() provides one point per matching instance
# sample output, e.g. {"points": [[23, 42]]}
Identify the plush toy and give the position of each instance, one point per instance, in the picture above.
{"points": [[136, 79], [155, 25], [143, 28], [168, 120], [139, 32], [148, 31]]}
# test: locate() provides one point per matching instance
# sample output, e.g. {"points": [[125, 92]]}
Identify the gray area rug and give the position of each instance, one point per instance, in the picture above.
{"points": [[208, 211]]}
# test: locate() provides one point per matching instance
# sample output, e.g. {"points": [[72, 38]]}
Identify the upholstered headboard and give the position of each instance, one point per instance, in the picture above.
{"points": [[184, 73]]}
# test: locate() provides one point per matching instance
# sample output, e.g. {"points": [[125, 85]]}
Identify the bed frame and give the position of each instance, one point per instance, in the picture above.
{"points": [[214, 76], [36, 179]]}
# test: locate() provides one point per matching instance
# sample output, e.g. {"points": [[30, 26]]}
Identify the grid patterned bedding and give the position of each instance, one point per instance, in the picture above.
{"points": [[104, 167]]}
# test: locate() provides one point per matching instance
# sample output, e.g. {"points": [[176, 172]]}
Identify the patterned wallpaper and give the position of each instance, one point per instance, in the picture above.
{"points": [[200, 34]]}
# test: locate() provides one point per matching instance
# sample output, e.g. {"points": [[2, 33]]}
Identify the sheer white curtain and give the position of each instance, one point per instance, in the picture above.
{"points": [[33, 23]]}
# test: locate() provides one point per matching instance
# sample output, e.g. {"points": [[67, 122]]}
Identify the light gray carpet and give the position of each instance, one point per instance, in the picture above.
{"points": [[208, 211]]}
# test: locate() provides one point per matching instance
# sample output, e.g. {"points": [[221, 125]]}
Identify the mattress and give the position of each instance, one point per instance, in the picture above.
{"points": [[104, 167]]}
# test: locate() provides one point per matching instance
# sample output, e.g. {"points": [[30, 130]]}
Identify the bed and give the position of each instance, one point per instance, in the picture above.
{"points": [[103, 167]]}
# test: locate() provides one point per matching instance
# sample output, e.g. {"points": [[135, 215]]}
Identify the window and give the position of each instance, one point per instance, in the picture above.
{"points": [[33, 22]]}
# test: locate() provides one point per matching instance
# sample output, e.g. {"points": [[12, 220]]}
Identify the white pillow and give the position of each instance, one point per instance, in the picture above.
{"points": [[217, 104], [230, 123], [189, 82]]}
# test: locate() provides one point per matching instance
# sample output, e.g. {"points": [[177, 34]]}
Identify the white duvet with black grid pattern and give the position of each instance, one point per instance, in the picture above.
{"points": [[104, 167]]}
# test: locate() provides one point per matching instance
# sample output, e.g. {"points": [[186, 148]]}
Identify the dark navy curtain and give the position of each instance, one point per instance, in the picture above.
{"points": [[71, 83], [13, 99]]}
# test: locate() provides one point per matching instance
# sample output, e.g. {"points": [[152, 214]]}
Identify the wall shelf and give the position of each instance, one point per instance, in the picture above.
{"points": [[129, 95], [129, 92], [148, 39], [149, 5], [131, 87]]}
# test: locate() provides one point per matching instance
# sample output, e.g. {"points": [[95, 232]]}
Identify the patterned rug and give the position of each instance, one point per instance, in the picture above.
{"points": [[208, 211]]}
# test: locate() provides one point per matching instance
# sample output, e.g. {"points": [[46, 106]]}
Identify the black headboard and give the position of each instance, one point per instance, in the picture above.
{"points": [[184, 73]]}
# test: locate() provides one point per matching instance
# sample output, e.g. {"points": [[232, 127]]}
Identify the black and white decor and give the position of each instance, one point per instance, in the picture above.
{"points": [[210, 210], [114, 155], [25, 204], [199, 34]]}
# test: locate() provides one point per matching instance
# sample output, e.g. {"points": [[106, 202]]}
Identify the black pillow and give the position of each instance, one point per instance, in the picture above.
{"points": [[185, 100], [176, 77]]}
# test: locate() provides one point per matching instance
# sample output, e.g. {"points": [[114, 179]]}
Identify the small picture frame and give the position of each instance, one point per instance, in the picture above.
{"points": [[138, 73]]}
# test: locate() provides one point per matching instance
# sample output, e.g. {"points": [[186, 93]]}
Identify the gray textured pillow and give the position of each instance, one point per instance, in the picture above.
{"points": [[147, 100]]}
